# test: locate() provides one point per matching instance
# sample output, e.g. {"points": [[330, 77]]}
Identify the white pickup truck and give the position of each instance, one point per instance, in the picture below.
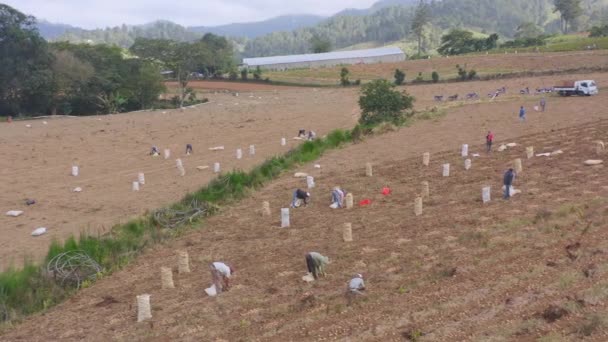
{"points": [[584, 87]]}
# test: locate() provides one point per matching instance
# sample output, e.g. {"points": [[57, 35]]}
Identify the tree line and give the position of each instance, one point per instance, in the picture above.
{"points": [[37, 77], [425, 22], [422, 24]]}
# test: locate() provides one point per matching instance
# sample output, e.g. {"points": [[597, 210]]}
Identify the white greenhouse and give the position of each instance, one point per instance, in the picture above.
{"points": [[328, 59]]}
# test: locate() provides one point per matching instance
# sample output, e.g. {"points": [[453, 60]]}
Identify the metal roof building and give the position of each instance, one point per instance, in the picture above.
{"points": [[328, 59]]}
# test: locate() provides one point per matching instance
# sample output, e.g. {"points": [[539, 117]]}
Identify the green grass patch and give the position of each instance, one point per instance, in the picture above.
{"points": [[28, 290]]}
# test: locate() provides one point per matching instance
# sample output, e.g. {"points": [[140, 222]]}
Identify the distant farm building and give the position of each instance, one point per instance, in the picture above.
{"points": [[328, 59]]}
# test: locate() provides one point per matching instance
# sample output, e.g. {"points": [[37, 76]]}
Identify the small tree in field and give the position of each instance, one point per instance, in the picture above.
{"points": [[399, 77], [233, 76], [257, 73], [435, 76], [344, 77], [380, 102]]}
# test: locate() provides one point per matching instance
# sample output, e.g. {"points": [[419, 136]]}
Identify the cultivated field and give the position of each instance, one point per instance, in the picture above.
{"points": [[461, 271], [446, 67], [112, 150]]}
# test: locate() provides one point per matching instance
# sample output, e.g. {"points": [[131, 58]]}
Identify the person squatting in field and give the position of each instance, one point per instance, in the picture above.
{"points": [[337, 198], [354, 288], [311, 135], [189, 149], [220, 274], [300, 197], [315, 262]]}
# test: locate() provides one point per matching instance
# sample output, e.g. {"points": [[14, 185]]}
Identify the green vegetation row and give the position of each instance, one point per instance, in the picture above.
{"points": [[31, 289]]}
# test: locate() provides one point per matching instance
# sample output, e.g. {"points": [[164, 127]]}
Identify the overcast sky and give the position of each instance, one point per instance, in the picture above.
{"points": [[102, 13]]}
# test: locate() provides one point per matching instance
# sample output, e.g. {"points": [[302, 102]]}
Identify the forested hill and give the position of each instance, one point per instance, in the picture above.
{"points": [[389, 24], [260, 28], [386, 21], [125, 35]]}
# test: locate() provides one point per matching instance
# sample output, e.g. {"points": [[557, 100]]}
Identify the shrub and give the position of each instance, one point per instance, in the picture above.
{"points": [[344, 73], [257, 73], [357, 134], [472, 74], [462, 73], [233, 75], [419, 78], [399, 77], [380, 102], [384, 127], [435, 76], [599, 31], [244, 74]]}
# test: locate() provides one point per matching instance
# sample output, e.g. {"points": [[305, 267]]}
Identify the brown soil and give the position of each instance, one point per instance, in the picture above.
{"points": [[111, 150], [208, 86], [461, 271]]}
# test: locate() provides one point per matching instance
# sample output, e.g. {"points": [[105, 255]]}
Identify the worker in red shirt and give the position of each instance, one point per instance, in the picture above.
{"points": [[489, 140]]}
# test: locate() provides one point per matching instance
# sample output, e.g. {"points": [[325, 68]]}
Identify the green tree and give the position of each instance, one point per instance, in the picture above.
{"points": [[490, 43], [211, 53], [380, 102], [399, 77], [456, 42], [435, 76], [233, 75], [528, 30], [26, 78], [111, 73], [344, 74], [257, 73], [422, 16], [319, 44], [569, 10], [144, 83], [70, 74], [599, 31], [459, 41]]}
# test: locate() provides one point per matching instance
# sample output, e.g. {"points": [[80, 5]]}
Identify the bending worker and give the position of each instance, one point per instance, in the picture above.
{"points": [[315, 262], [221, 273], [300, 197]]}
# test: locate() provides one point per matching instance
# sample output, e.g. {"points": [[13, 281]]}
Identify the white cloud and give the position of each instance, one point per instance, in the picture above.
{"points": [[99, 13]]}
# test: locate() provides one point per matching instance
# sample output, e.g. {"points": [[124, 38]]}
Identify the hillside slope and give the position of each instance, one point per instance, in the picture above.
{"points": [[393, 23], [461, 271]]}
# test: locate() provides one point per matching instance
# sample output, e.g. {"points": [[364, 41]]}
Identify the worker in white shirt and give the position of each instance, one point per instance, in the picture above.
{"points": [[356, 285], [221, 273], [354, 288]]}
